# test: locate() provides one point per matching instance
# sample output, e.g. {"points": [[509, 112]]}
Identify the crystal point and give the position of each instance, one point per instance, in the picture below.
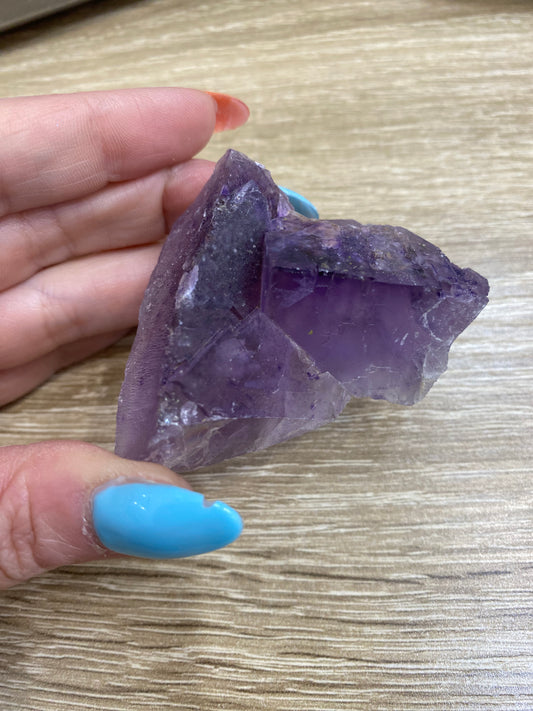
{"points": [[260, 324]]}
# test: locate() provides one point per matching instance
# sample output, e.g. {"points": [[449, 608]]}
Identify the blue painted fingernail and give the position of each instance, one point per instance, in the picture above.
{"points": [[300, 204], [161, 521]]}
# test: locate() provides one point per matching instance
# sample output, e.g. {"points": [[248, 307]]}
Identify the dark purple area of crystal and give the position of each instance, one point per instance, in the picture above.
{"points": [[259, 324]]}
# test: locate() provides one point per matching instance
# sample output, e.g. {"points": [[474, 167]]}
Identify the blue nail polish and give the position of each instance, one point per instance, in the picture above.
{"points": [[161, 521], [300, 204]]}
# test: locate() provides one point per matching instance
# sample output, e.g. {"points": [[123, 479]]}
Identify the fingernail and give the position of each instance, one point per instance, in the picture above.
{"points": [[161, 521], [300, 204], [231, 112]]}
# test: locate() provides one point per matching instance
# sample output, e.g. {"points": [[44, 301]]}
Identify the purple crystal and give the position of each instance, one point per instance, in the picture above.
{"points": [[259, 324], [376, 306]]}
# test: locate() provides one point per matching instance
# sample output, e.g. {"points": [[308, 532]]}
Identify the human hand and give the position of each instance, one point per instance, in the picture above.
{"points": [[89, 186]]}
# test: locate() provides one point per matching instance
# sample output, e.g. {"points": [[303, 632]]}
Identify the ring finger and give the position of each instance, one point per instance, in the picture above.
{"points": [[73, 301]]}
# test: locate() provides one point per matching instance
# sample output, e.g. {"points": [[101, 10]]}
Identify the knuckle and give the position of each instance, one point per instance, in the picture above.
{"points": [[18, 532], [43, 493]]}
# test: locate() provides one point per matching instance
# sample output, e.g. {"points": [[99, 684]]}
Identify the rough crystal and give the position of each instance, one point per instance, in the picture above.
{"points": [[259, 324]]}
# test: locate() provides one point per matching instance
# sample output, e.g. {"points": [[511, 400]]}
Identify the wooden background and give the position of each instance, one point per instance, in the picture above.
{"points": [[386, 562]]}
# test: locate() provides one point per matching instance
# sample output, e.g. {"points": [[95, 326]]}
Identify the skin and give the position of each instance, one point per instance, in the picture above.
{"points": [[89, 186]]}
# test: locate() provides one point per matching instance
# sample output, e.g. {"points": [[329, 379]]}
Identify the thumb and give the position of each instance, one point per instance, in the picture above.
{"points": [[70, 502]]}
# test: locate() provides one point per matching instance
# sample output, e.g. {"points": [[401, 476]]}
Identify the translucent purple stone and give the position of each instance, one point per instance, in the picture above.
{"points": [[260, 324], [376, 306]]}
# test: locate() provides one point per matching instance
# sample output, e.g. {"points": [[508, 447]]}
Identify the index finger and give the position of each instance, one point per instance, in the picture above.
{"points": [[65, 146]]}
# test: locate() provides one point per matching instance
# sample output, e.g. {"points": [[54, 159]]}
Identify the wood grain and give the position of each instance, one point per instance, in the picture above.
{"points": [[386, 562]]}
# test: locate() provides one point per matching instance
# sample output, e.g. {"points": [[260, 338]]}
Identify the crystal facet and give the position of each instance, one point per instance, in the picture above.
{"points": [[260, 324]]}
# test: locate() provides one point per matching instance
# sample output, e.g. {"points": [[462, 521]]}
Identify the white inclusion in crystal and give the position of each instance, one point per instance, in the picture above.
{"points": [[187, 285], [188, 412], [167, 415]]}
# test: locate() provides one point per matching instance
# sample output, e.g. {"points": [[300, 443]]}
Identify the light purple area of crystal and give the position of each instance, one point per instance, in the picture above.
{"points": [[249, 387], [259, 324], [376, 306]]}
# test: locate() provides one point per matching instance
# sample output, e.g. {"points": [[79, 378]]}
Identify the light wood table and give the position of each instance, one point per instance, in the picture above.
{"points": [[386, 562]]}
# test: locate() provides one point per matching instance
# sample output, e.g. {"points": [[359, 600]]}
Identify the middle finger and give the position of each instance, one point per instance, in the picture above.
{"points": [[121, 215]]}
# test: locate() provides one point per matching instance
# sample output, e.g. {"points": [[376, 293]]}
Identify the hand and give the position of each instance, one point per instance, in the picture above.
{"points": [[89, 186]]}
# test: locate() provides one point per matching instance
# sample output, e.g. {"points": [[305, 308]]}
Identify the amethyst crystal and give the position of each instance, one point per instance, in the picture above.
{"points": [[376, 306], [259, 324]]}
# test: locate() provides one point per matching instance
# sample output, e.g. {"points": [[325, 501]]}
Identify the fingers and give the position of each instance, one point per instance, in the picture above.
{"points": [[77, 300], [122, 215], [61, 147], [20, 380], [69, 502]]}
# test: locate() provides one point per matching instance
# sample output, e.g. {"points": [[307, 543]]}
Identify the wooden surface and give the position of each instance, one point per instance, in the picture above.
{"points": [[386, 562]]}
